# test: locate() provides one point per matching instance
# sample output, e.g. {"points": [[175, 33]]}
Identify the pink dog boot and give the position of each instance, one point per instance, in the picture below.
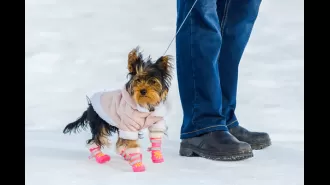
{"points": [[124, 155], [156, 154], [99, 156], [135, 160]]}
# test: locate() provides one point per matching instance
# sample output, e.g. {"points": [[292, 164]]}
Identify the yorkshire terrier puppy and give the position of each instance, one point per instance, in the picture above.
{"points": [[140, 104]]}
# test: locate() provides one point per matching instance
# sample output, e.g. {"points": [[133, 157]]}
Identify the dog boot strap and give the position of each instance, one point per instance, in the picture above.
{"points": [[94, 152], [99, 155], [123, 154], [155, 144], [135, 160], [156, 153]]}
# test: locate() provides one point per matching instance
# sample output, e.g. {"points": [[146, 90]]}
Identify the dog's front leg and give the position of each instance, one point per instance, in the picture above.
{"points": [[156, 133]]}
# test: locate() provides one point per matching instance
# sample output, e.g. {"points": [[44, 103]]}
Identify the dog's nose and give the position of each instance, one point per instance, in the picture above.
{"points": [[143, 91]]}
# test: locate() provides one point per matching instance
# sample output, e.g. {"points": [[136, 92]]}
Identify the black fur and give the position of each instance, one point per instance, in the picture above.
{"points": [[96, 123]]}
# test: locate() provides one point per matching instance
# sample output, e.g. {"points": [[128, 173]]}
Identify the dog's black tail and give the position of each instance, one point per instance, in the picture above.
{"points": [[76, 125]]}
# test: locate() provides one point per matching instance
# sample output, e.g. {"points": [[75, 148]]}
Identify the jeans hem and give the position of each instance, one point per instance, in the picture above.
{"points": [[205, 130], [232, 124]]}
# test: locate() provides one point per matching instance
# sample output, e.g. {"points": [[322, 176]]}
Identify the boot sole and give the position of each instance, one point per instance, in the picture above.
{"points": [[192, 151], [260, 146]]}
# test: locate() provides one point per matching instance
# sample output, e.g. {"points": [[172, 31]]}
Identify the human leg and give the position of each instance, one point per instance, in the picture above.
{"points": [[198, 44], [237, 20]]}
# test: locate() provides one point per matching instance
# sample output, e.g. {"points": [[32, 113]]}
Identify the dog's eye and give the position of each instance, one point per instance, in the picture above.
{"points": [[138, 80], [152, 82]]}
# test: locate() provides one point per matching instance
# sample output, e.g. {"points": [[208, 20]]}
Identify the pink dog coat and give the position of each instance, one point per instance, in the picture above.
{"points": [[118, 109]]}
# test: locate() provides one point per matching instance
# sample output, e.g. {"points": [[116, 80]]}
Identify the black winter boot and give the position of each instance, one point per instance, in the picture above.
{"points": [[257, 140], [217, 145]]}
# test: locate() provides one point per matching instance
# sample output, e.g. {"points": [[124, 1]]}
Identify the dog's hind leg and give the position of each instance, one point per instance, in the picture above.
{"points": [[99, 140], [130, 150], [121, 148]]}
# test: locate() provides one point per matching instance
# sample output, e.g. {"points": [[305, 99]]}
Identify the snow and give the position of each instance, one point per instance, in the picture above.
{"points": [[76, 47]]}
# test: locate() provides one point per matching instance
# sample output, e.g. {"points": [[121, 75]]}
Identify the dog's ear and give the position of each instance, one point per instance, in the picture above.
{"points": [[164, 63], [134, 58]]}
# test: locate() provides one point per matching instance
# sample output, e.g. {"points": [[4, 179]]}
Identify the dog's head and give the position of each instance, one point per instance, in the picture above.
{"points": [[149, 81]]}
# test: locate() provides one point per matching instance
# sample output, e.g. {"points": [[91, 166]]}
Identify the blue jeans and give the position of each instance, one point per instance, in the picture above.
{"points": [[209, 48]]}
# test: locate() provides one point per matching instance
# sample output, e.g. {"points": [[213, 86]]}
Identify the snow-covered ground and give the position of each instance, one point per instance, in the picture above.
{"points": [[74, 47]]}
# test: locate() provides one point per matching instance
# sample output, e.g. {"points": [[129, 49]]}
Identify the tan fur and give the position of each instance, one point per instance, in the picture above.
{"points": [[125, 143], [152, 86], [132, 58], [164, 95], [104, 138], [166, 61], [151, 98], [140, 71]]}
